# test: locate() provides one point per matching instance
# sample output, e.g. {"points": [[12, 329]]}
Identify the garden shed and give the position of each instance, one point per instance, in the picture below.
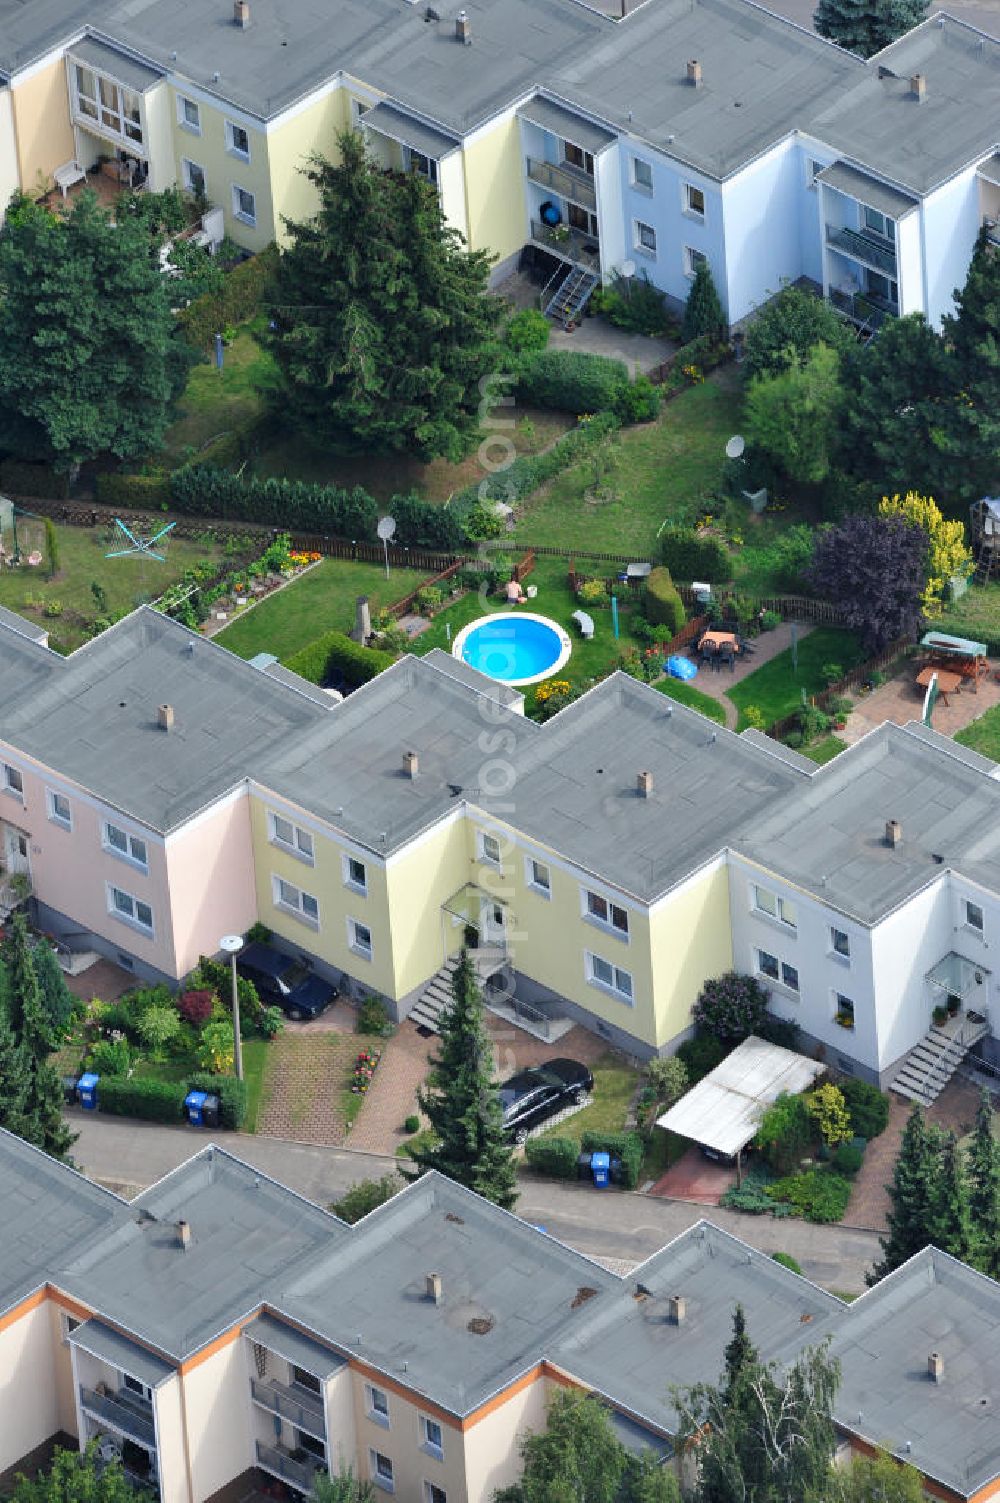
{"points": [[723, 1111]]}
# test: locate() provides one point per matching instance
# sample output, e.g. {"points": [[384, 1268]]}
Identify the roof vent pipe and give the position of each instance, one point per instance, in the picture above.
{"points": [[434, 1288], [184, 1235], [463, 28], [893, 833], [644, 785], [165, 717], [241, 14], [694, 73], [677, 1309], [935, 1367], [918, 87]]}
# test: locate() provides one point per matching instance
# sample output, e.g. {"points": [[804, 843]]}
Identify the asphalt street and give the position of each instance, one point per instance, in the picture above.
{"points": [[127, 1156]]}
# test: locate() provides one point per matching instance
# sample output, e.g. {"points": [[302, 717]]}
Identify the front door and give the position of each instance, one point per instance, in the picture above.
{"points": [[16, 857], [492, 929]]}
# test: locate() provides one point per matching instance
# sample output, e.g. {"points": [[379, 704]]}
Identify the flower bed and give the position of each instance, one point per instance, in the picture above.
{"points": [[364, 1070], [207, 597]]}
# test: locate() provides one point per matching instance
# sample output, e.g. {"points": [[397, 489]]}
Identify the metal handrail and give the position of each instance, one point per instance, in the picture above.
{"points": [[566, 180], [299, 1473], [570, 245], [279, 1399], [120, 1416], [881, 254]]}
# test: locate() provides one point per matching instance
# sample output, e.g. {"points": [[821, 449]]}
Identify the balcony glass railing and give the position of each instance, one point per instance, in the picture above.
{"points": [[127, 1416], [571, 245], [868, 248], [278, 1460], [300, 1409], [863, 308], [568, 181]]}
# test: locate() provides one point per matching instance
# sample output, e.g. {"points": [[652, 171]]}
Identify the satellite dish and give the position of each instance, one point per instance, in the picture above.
{"points": [[386, 528], [628, 268], [735, 446]]}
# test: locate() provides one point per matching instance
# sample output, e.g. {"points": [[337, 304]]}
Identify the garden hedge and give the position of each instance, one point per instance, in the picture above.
{"points": [[142, 1096], [232, 1094], [626, 1146], [241, 296], [867, 1106], [23, 479], [336, 653], [663, 605], [690, 557], [555, 1156], [571, 381], [133, 490]]}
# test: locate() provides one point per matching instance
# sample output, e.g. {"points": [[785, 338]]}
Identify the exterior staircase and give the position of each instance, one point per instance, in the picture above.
{"points": [[571, 295], [436, 995], [930, 1065]]}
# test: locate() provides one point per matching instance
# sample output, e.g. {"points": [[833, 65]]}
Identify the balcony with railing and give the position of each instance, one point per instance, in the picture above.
{"points": [[301, 1409], [569, 182], [569, 244], [124, 1413], [299, 1469], [866, 309], [864, 246], [992, 228]]}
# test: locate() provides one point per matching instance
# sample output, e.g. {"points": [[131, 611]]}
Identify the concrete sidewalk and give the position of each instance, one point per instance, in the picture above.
{"points": [[128, 1155]]}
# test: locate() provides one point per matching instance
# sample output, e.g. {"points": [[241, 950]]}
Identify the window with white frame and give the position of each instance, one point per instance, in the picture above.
{"points": [[434, 1494], [188, 114], [431, 1436], [301, 1378], [609, 977], [644, 237], [603, 911], [244, 205], [790, 976], [381, 1471], [840, 944], [13, 782], [130, 909], [289, 837], [60, 811], [114, 109], [537, 876], [489, 848], [642, 175], [193, 178], [126, 847], [136, 1386], [774, 906], [694, 201], [355, 875], [359, 938], [777, 970], [421, 165], [377, 1401], [692, 260], [237, 141], [293, 900], [974, 917], [876, 223]]}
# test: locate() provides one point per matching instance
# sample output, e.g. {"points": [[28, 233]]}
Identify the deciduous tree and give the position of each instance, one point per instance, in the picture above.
{"points": [[791, 324], [876, 1479], [948, 555], [873, 568], [384, 327], [76, 1477], [792, 416]]}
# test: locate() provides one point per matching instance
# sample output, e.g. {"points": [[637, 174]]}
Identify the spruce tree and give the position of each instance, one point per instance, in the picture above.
{"points": [[383, 325], [39, 1089], [703, 313], [914, 1196], [740, 1355], [983, 1165], [951, 1230], [15, 1075], [462, 1103], [866, 26], [974, 335]]}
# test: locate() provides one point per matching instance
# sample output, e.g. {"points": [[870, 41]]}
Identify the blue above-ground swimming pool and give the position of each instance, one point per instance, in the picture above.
{"points": [[515, 648]]}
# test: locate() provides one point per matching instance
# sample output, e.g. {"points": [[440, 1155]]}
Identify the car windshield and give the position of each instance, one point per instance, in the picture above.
{"points": [[519, 1087], [292, 977]]}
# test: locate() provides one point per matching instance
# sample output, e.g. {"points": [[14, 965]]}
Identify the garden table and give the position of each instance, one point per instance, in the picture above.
{"points": [[948, 682]]}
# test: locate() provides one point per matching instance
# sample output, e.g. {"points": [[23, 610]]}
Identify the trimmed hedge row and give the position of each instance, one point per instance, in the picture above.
{"points": [[663, 604], [232, 1094], [571, 381], [163, 1100], [554, 1156], [241, 296], [335, 653], [689, 556], [626, 1146], [24, 479], [132, 490]]}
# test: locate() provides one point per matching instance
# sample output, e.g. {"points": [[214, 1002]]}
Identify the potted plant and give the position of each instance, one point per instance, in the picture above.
{"points": [[939, 1016], [954, 1005]]}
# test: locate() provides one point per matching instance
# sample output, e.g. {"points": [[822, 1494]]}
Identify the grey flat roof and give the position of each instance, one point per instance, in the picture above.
{"points": [[100, 1340], [414, 133], [458, 669], [278, 1336], [778, 749], [21, 624], [110, 60], [566, 124], [867, 190]]}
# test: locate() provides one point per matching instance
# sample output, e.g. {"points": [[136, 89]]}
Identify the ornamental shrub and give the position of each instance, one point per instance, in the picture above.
{"points": [[668, 1078], [141, 1096], [527, 330], [638, 401], [411, 1124], [787, 1261], [701, 1054], [592, 592], [867, 1107], [232, 1094], [662, 604], [158, 1026], [374, 1019], [554, 1156], [215, 1048], [195, 1007], [336, 655], [730, 1007], [785, 1132], [828, 1110], [847, 1159], [367, 1195], [571, 381], [816, 1195], [690, 556], [754, 718], [110, 1057], [626, 1146]]}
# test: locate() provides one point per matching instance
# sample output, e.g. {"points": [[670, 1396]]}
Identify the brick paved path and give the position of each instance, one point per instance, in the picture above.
{"points": [[716, 681], [307, 1074], [901, 701]]}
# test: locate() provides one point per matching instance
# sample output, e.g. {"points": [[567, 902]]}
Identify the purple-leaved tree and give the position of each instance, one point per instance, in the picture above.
{"points": [[875, 569]]}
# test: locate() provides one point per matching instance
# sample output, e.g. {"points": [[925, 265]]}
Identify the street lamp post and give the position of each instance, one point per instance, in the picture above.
{"points": [[232, 944]]}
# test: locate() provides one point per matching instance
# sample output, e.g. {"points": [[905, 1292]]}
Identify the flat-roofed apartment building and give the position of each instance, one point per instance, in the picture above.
{"points": [[711, 131], [218, 1327]]}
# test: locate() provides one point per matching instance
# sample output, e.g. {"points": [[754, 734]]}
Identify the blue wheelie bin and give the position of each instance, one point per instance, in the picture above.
{"points": [[600, 1165], [87, 1091], [194, 1104]]}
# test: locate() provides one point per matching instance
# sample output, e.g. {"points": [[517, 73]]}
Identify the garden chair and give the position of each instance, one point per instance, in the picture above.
{"points": [[727, 657]]}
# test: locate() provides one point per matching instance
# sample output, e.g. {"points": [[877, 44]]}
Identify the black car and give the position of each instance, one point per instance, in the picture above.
{"points": [[284, 981], [532, 1095]]}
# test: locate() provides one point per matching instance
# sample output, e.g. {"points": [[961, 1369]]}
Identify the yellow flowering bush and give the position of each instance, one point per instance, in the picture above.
{"points": [[947, 553]]}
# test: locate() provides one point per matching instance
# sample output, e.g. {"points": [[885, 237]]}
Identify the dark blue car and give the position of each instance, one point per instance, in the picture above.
{"points": [[284, 981]]}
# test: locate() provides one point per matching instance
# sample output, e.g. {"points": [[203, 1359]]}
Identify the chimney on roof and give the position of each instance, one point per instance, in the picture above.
{"points": [[183, 1235], [165, 717], [694, 73], [411, 764], [935, 1367], [918, 87], [434, 1288], [463, 28], [644, 785], [677, 1309], [893, 833], [241, 14]]}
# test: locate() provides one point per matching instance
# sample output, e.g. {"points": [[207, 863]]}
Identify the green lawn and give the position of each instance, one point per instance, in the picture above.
{"points": [[776, 688], [615, 1084], [668, 471], [321, 600], [686, 694], [824, 750], [983, 735], [254, 1067], [127, 582], [216, 402], [975, 615]]}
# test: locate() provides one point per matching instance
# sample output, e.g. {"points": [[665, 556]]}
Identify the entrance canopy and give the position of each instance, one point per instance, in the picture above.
{"points": [[723, 1111], [956, 975]]}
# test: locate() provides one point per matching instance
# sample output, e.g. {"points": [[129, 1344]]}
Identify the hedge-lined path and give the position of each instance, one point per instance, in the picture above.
{"points": [[716, 682]]}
